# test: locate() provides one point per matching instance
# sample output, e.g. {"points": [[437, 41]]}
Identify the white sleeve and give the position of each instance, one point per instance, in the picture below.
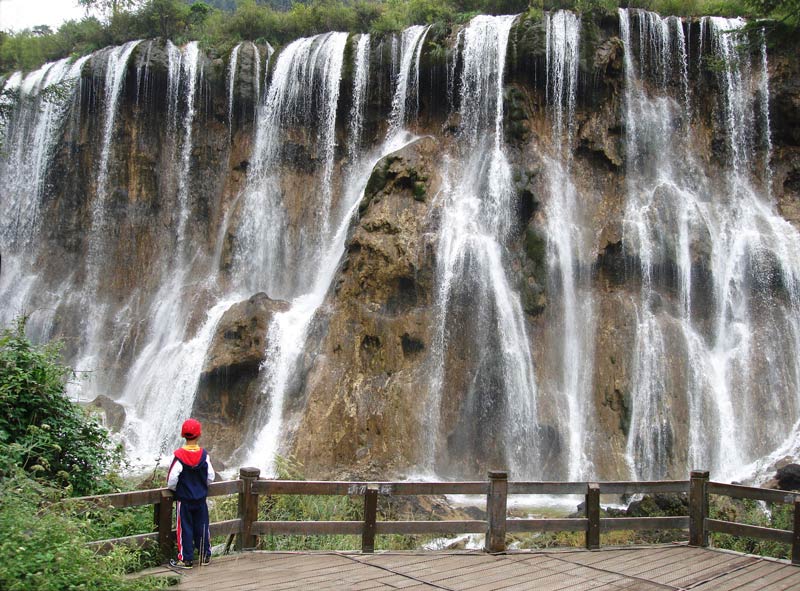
{"points": [[211, 474], [174, 472]]}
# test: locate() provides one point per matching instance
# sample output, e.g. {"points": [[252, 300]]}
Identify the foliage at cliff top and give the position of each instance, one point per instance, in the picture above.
{"points": [[41, 431], [220, 24]]}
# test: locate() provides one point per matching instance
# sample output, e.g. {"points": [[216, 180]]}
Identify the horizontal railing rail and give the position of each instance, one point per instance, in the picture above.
{"points": [[737, 491], [249, 487]]}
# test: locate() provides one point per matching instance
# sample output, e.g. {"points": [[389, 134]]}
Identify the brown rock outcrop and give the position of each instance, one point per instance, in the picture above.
{"points": [[229, 379], [363, 409]]}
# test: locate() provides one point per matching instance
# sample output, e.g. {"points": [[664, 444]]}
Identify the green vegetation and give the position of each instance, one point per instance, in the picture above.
{"points": [[41, 431], [50, 449], [751, 513], [328, 508], [220, 24]]}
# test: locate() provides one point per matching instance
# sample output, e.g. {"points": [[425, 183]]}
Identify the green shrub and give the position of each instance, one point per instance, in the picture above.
{"points": [[41, 430], [43, 545], [751, 512]]}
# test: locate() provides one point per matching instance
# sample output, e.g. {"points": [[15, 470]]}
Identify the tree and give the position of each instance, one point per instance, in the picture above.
{"points": [[109, 8], [786, 11]]}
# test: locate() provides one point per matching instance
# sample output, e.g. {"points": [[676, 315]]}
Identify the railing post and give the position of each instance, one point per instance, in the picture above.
{"points": [[593, 516], [165, 545], [248, 508], [496, 504], [370, 519], [698, 508], [796, 532]]}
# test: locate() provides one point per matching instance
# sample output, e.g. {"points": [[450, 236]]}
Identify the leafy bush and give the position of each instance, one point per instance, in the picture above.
{"points": [[43, 545], [41, 430]]}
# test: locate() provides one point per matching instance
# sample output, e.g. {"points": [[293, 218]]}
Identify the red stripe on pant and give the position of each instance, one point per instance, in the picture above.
{"points": [[179, 530]]}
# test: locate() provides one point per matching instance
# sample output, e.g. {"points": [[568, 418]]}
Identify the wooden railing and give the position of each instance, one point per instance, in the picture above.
{"points": [[249, 487]]}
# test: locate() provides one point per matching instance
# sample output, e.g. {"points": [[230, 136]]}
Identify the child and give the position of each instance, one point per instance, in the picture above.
{"points": [[189, 476]]}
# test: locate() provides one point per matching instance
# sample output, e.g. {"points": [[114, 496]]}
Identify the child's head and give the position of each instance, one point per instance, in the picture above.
{"points": [[191, 429]]}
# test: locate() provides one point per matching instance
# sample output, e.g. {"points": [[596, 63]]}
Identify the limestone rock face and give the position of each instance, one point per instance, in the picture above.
{"points": [[363, 406], [229, 379]]}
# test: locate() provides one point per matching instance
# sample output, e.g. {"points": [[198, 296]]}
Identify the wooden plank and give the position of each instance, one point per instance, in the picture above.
{"points": [[319, 487], [431, 527], [527, 525], [247, 508], [737, 491], [774, 575], [225, 528], [630, 488], [698, 508], [750, 531], [496, 504], [135, 498], [165, 539], [753, 572], [697, 571], [547, 488], [479, 487], [226, 487], [370, 517], [593, 516], [638, 523], [138, 498], [303, 487], [307, 528], [796, 533]]}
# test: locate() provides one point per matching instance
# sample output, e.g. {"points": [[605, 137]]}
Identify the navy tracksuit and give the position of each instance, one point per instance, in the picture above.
{"points": [[190, 493]]}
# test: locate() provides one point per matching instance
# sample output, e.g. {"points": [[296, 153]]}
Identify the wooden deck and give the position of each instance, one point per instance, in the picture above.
{"points": [[674, 567]]}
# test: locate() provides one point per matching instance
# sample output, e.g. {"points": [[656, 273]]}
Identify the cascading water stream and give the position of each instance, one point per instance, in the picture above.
{"points": [[476, 219], [360, 81], [566, 244], [268, 255], [91, 299], [116, 69], [289, 330], [737, 362], [190, 65], [33, 134], [232, 65], [406, 89]]}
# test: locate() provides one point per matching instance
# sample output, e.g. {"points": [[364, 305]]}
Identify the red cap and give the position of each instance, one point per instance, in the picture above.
{"points": [[191, 429]]}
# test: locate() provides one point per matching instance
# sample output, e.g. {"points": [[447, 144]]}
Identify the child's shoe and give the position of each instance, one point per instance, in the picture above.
{"points": [[181, 563], [205, 560]]}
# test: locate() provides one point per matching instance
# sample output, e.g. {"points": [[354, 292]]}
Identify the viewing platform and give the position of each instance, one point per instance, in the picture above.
{"points": [[679, 566], [675, 567]]}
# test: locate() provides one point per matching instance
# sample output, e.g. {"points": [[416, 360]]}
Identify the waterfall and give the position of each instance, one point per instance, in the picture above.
{"points": [[360, 82], [568, 258], [255, 76], [33, 136], [288, 330], [734, 334], [406, 88], [232, 64], [476, 219], [116, 68], [304, 92], [31, 139], [190, 65]]}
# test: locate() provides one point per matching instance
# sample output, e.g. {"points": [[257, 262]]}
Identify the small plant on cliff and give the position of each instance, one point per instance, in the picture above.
{"points": [[41, 430]]}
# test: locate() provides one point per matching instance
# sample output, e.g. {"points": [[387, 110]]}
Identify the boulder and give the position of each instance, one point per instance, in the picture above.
{"points": [[228, 381], [788, 477], [113, 413]]}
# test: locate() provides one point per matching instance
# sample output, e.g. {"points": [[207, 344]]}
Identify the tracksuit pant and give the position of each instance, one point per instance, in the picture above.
{"points": [[193, 533]]}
